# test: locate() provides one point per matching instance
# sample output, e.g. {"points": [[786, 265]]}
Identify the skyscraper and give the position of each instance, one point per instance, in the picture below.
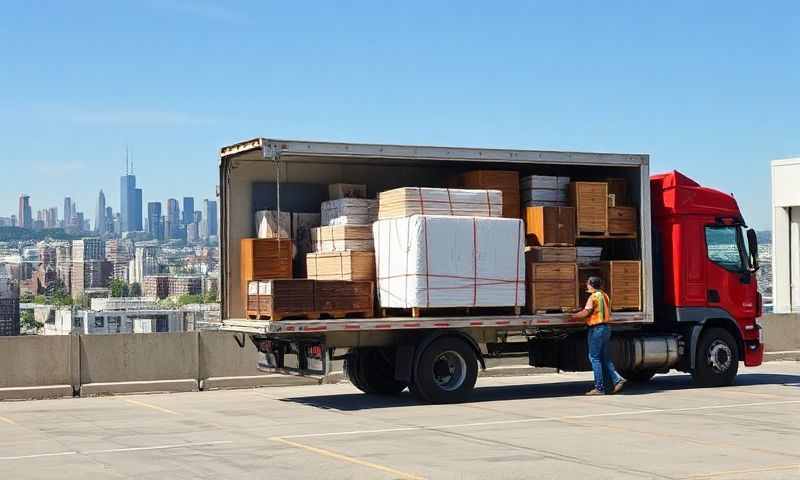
{"points": [[188, 210], [100, 215], [154, 226], [130, 200], [25, 216], [208, 225], [173, 223], [90, 269], [67, 211]]}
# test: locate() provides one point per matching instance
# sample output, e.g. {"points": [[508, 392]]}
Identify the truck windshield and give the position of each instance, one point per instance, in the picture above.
{"points": [[723, 245]]}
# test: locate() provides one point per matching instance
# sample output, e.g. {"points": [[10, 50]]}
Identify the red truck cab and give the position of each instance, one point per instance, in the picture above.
{"points": [[705, 258]]}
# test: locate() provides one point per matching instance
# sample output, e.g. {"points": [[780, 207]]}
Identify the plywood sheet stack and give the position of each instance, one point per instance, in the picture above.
{"points": [[544, 190], [623, 283], [339, 238], [407, 201], [550, 226], [435, 261], [346, 265], [507, 181]]}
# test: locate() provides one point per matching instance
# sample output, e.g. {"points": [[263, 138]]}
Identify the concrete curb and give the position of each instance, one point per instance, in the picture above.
{"points": [[36, 393], [225, 383], [147, 386]]}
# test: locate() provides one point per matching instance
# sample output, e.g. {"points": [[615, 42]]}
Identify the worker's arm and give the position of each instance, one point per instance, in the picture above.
{"points": [[587, 310]]}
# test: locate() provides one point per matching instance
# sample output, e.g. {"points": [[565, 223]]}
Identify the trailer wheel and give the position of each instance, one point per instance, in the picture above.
{"points": [[371, 370], [446, 371], [638, 376], [717, 359]]}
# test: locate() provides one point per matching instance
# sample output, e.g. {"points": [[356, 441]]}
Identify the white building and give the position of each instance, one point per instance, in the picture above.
{"points": [[109, 321], [786, 235]]}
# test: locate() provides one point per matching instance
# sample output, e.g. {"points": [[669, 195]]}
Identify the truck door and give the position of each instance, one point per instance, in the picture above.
{"points": [[730, 285]]}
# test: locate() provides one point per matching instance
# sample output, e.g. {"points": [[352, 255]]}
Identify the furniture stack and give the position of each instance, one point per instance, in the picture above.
{"points": [[544, 190], [264, 259], [463, 256], [309, 299], [507, 181]]}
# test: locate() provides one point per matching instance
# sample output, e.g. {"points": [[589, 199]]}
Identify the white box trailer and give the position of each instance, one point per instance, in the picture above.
{"points": [[249, 173]]}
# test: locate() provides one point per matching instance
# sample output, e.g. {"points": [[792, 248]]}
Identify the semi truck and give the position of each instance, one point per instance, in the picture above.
{"points": [[700, 300]]}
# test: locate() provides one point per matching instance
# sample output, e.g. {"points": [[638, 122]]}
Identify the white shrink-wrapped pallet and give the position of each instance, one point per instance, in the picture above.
{"points": [[349, 211], [429, 261]]}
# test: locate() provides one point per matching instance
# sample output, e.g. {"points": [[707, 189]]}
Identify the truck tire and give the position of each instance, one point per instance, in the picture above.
{"points": [[717, 360], [637, 376], [446, 371], [376, 371], [351, 364]]}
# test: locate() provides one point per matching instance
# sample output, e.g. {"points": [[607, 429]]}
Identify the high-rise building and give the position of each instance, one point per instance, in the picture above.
{"points": [[67, 211], [25, 215], [130, 205], [90, 269], [208, 224], [9, 303], [173, 221], [110, 220], [154, 225], [143, 264], [188, 210], [100, 215]]}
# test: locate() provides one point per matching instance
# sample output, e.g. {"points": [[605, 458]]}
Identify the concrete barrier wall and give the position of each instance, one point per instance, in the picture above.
{"points": [[138, 357], [781, 332], [221, 356], [36, 361]]}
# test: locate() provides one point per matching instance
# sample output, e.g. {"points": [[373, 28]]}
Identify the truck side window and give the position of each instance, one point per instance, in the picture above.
{"points": [[723, 248]]}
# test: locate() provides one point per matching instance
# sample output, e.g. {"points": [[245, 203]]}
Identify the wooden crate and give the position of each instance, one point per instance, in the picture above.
{"points": [[550, 254], [590, 200], [277, 299], [550, 287], [619, 188], [550, 226], [622, 221], [347, 265], [339, 297], [623, 283], [507, 181], [338, 238], [264, 259]]}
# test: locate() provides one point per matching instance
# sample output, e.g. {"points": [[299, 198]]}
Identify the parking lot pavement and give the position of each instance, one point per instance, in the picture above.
{"points": [[514, 427]]}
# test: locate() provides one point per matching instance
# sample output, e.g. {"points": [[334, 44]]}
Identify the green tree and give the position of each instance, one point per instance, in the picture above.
{"points": [[189, 299], [28, 322], [26, 298], [210, 297], [40, 299], [119, 288]]}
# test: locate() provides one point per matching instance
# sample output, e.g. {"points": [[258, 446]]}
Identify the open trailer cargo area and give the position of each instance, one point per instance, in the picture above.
{"points": [[468, 252]]}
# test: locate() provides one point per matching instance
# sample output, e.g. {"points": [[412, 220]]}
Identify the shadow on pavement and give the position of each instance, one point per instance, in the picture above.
{"points": [[659, 384]]}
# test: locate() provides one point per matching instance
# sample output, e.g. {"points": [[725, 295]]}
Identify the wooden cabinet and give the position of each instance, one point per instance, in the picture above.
{"points": [[623, 283], [590, 200], [622, 221], [264, 259], [551, 287], [550, 226]]}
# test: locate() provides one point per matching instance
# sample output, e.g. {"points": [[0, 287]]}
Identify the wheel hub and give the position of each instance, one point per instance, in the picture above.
{"points": [[720, 356], [449, 370]]}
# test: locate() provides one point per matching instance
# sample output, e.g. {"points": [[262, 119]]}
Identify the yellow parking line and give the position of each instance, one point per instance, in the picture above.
{"points": [[7, 420], [774, 468], [147, 405], [345, 458]]}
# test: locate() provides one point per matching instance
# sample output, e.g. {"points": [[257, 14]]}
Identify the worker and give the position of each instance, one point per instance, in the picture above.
{"points": [[597, 313]]}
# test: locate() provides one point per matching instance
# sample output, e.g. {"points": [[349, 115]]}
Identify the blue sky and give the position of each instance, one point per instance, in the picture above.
{"points": [[708, 88]]}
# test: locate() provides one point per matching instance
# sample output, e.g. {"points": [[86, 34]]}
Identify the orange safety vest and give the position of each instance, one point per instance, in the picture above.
{"points": [[601, 309]]}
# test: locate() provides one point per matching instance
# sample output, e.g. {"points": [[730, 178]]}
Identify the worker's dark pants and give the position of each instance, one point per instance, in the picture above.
{"points": [[605, 375]]}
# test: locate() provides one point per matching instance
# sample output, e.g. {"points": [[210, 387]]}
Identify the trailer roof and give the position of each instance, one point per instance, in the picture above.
{"points": [[260, 148]]}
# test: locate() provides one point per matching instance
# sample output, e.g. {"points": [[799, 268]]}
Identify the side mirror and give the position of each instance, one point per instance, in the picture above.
{"points": [[752, 245]]}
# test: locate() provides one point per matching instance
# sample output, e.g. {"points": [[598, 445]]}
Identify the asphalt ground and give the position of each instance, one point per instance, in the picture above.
{"points": [[514, 427]]}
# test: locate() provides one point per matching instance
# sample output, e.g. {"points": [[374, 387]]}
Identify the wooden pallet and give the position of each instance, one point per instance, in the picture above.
{"points": [[417, 312], [335, 314]]}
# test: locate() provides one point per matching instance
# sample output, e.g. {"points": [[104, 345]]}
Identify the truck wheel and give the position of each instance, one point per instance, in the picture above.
{"points": [[446, 371], [351, 363], [717, 359], [637, 376], [376, 370]]}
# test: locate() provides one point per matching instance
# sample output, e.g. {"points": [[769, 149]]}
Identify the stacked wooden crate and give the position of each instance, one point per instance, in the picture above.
{"points": [[590, 200], [544, 190], [309, 299], [550, 286], [621, 221], [551, 226], [407, 201], [346, 265], [264, 259], [623, 283], [507, 181], [338, 238]]}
